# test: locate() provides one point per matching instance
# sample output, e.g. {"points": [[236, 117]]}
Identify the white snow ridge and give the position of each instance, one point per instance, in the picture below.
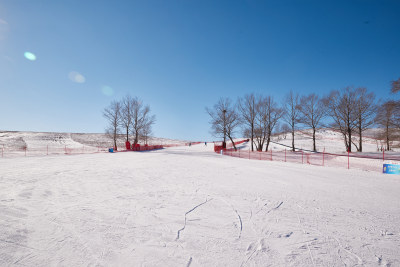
{"points": [[188, 206]]}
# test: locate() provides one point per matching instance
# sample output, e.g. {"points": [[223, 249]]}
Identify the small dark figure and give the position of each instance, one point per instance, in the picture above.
{"points": [[205, 143]]}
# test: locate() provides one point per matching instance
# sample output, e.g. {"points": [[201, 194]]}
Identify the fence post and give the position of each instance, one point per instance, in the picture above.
{"points": [[383, 154]]}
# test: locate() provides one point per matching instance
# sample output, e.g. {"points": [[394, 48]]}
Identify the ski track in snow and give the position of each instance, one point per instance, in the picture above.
{"points": [[186, 213], [124, 209]]}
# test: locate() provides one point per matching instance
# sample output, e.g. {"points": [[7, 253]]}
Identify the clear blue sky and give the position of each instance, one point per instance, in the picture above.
{"points": [[181, 56]]}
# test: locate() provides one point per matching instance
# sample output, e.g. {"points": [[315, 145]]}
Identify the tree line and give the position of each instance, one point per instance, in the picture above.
{"points": [[349, 111], [129, 116]]}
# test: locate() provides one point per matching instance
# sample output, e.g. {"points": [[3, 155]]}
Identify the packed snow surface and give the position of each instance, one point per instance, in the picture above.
{"points": [[188, 206]]}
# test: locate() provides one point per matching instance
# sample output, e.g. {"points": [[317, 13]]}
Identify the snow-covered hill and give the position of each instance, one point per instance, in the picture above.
{"points": [[15, 140], [326, 139]]}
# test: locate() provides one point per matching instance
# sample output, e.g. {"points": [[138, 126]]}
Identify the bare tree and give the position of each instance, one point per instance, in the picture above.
{"points": [[284, 129], [385, 118], [113, 115], [248, 111], [224, 119], [395, 86], [312, 111], [396, 103], [272, 115], [292, 112], [267, 117], [341, 105], [146, 133], [141, 119], [364, 111], [127, 106]]}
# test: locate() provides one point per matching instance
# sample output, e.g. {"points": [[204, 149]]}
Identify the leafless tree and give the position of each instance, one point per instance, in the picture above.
{"points": [[146, 133], [224, 119], [127, 106], [272, 115], [248, 110], [395, 86], [141, 119], [113, 115], [341, 105], [312, 111], [396, 103], [284, 129], [292, 112], [364, 111], [267, 116], [385, 118]]}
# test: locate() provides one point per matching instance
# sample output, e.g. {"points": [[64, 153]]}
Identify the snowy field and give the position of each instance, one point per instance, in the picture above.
{"points": [[188, 206]]}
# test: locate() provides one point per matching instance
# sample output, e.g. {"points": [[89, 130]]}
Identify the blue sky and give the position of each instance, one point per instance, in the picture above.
{"points": [[181, 56]]}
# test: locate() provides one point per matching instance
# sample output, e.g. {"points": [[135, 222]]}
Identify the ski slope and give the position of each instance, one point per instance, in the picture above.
{"points": [[188, 206]]}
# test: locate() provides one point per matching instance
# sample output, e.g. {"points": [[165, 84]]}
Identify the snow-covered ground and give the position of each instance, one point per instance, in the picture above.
{"points": [[188, 206]]}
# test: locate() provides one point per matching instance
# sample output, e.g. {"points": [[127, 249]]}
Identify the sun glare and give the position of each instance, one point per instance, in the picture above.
{"points": [[107, 90], [76, 77], [30, 56]]}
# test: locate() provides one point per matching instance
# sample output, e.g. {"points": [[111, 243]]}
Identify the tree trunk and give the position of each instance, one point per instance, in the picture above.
{"points": [[349, 141], [136, 138], [346, 144], [293, 140], [252, 137], [313, 138], [387, 138], [268, 140], [233, 143], [360, 141], [115, 140]]}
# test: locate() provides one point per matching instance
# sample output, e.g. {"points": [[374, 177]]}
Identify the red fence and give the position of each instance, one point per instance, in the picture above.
{"points": [[49, 150], [58, 150], [364, 161], [228, 145], [144, 148]]}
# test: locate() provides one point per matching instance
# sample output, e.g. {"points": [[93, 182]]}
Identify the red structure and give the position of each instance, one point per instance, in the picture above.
{"points": [[218, 148], [128, 145]]}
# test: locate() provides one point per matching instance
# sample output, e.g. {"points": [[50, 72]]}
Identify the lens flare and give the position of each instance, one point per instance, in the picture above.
{"points": [[30, 56], [76, 77], [107, 90]]}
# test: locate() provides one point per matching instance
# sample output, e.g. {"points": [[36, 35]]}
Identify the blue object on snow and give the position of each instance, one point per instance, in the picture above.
{"points": [[391, 168], [111, 150]]}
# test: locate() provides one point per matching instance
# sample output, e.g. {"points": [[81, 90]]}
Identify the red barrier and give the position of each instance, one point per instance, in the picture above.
{"points": [[364, 161], [7, 152], [128, 145], [218, 148]]}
